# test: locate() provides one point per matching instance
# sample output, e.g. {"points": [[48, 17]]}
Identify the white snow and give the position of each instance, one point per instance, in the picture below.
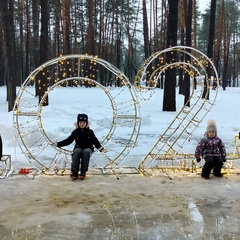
{"points": [[65, 103]]}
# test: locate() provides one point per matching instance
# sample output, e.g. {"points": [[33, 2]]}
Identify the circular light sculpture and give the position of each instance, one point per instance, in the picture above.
{"points": [[117, 125]]}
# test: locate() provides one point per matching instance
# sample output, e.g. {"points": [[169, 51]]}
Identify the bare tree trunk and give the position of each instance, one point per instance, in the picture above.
{"points": [[219, 41], [145, 30], [131, 71], [42, 83], [163, 29], [90, 36], [155, 27], [8, 13], [163, 36], [90, 68], [66, 26], [21, 30], [211, 37], [56, 45], [2, 47], [226, 49], [35, 19], [195, 37], [187, 57], [182, 30], [66, 72], [195, 23], [146, 41], [75, 31], [27, 41], [235, 84], [169, 98]]}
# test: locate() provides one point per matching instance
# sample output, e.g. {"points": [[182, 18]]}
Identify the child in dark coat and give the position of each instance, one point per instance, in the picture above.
{"points": [[84, 139], [212, 149]]}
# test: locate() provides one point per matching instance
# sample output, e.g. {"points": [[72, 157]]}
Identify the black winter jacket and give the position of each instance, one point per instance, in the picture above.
{"points": [[84, 138]]}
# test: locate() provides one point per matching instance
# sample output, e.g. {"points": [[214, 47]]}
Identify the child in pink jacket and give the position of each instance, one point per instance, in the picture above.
{"points": [[212, 149]]}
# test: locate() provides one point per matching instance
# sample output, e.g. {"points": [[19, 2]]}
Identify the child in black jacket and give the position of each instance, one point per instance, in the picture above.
{"points": [[84, 139]]}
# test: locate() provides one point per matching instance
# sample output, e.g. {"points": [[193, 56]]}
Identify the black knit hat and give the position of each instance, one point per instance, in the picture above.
{"points": [[82, 117]]}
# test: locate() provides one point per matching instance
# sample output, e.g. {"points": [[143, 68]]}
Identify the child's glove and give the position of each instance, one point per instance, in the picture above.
{"points": [[54, 144], [224, 159], [103, 149], [198, 159]]}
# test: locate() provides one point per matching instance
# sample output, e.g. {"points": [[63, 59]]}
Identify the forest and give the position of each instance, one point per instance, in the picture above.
{"points": [[125, 33]]}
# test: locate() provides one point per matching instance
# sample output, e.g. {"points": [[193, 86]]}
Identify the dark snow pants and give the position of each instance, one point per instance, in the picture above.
{"points": [[80, 157], [214, 163]]}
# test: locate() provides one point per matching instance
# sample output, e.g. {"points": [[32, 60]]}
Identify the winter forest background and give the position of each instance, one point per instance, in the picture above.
{"points": [[124, 33]]}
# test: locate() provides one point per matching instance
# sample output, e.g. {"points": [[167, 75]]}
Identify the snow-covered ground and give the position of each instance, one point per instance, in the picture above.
{"points": [[59, 117]]}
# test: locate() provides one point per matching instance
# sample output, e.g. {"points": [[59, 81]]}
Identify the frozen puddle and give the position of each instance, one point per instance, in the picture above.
{"points": [[194, 213]]}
